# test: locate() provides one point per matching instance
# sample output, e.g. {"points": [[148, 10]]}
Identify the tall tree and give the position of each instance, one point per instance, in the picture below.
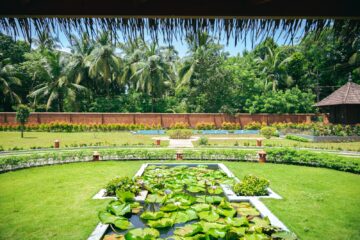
{"points": [[8, 80]]}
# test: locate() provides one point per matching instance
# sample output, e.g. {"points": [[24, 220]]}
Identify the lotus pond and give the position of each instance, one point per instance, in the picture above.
{"points": [[183, 202]]}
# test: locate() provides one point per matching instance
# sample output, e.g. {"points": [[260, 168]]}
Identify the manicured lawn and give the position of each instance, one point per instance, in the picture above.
{"points": [[278, 142], [46, 139], [55, 202]]}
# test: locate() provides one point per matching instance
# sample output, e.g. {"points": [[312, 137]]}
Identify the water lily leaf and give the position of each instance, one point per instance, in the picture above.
{"points": [[192, 215], [184, 199], [255, 236], [248, 211], [210, 216], [217, 233], [188, 230], [283, 235], [123, 224], [206, 226], [236, 233], [225, 204], [161, 223], [125, 196], [259, 224], [215, 190], [106, 217], [209, 199], [180, 217], [237, 222], [195, 189], [155, 198], [119, 209], [142, 234], [226, 212], [200, 207], [151, 215]]}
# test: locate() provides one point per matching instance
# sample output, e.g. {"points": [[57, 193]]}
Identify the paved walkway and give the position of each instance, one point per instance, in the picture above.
{"points": [[180, 143]]}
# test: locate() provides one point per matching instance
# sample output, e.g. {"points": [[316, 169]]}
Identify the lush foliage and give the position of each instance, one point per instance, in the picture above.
{"points": [[123, 184], [267, 132], [252, 185], [297, 138], [281, 155], [101, 75], [203, 141], [22, 116], [179, 133]]}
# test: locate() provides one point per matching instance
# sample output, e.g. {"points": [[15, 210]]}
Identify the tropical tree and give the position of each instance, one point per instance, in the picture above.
{"points": [[103, 63], [46, 41], [57, 86], [273, 67], [22, 116], [8, 79], [153, 72]]}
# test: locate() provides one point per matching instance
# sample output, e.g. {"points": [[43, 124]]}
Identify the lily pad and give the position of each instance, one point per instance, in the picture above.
{"points": [[118, 208], [154, 198], [142, 234], [161, 223], [106, 217], [188, 230], [226, 212], [125, 197], [206, 226], [123, 224], [200, 207], [217, 233], [151, 215], [210, 216], [237, 222]]}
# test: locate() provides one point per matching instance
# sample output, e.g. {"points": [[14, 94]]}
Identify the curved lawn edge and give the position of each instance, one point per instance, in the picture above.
{"points": [[279, 156]]}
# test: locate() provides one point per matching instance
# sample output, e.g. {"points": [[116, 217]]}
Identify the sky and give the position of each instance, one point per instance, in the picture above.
{"points": [[181, 46]]}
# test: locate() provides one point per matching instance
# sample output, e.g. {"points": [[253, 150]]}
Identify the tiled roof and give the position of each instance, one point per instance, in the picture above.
{"points": [[347, 94]]}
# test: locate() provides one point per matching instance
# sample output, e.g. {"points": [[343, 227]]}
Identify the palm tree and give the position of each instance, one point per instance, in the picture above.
{"points": [[81, 48], [200, 46], [46, 41], [8, 80], [153, 72], [271, 65], [103, 63], [57, 86]]}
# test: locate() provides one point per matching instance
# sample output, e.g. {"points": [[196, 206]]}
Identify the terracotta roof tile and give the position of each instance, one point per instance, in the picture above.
{"points": [[347, 94]]}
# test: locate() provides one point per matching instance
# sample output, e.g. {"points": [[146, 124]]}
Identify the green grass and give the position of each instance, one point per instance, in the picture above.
{"points": [[55, 202], [277, 142], [9, 140]]}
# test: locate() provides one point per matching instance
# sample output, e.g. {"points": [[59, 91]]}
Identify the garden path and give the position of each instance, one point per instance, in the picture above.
{"points": [[181, 143]]}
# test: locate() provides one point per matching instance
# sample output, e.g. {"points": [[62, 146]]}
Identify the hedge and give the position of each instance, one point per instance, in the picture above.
{"points": [[283, 155]]}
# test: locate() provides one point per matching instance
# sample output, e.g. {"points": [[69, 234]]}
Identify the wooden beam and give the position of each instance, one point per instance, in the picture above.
{"points": [[182, 8]]}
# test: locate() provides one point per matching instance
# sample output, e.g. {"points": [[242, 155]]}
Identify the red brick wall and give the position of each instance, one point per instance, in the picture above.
{"points": [[163, 119]]}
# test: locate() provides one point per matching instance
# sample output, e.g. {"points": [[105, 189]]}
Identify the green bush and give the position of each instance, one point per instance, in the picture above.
{"points": [[205, 126], [267, 132], [203, 141], [252, 186], [179, 133], [124, 184], [297, 138], [254, 126]]}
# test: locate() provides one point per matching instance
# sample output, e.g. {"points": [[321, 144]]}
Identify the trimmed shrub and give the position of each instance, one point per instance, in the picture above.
{"points": [[203, 141], [252, 186], [179, 133], [267, 132], [297, 138], [230, 126]]}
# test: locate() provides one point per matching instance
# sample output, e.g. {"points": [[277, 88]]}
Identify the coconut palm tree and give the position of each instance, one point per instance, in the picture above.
{"points": [[153, 72], [272, 64], [77, 69], [102, 62], [8, 80], [57, 86], [46, 41]]}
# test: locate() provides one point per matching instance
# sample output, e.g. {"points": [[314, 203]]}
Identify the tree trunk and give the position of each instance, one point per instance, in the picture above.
{"points": [[22, 131]]}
